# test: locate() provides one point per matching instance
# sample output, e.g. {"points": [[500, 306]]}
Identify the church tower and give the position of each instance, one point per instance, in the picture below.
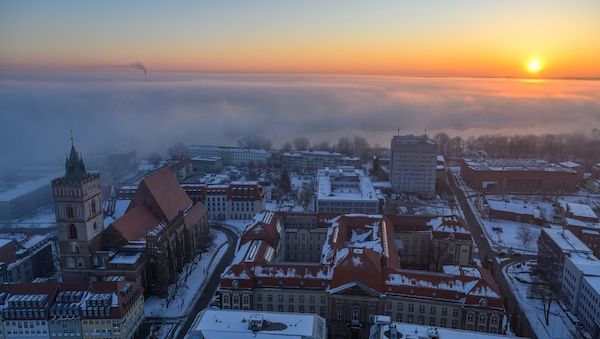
{"points": [[79, 217]]}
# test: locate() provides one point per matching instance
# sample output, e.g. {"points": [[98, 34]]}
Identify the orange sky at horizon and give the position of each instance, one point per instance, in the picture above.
{"points": [[463, 39]]}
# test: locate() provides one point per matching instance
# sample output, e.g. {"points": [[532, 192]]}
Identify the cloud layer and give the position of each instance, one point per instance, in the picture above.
{"points": [[119, 111]]}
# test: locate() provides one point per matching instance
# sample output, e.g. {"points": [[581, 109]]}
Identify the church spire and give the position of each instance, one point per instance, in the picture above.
{"points": [[74, 167]]}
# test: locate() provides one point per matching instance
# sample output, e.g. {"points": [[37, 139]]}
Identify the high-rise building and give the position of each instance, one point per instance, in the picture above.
{"points": [[413, 164], [79, 217]]}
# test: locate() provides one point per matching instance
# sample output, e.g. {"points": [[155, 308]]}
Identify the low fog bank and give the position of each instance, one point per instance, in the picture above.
{"points": [[121, 111]]}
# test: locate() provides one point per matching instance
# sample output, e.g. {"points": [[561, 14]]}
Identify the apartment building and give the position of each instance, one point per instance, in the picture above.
{"points": [[230, 156], [72, 310], [555, 244], [413, 164], [311, 161]]}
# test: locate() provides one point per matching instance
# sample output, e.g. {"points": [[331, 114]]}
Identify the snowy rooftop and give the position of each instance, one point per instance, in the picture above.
{"points": [[514, 207], [126, 258], [412, 139], [566, 240], [579, 210], [344, 183], [383, 326], [570, 164], [515, 165], [225, 148], [224, 324], [586, 263]]}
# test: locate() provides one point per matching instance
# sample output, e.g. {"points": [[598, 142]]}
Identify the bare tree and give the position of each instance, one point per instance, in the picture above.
{"points": [[154, 159], [322, 146], [255, 141], [525, 235], [538, 290], [286, 147], [301, 143], [178, 151], [344, 146]]}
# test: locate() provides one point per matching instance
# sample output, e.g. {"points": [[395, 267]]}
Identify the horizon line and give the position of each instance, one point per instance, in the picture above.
{"points": [[118, 67]]}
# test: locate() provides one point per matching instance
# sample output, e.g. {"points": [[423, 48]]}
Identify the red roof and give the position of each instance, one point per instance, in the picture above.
{"points": [[162, 194], [136, 223], [194, 214]]}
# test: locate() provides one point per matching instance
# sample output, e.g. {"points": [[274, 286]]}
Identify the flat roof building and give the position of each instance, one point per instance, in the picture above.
{"points": [[225, 324], [346, 190], [518, 175], [235, 156]]}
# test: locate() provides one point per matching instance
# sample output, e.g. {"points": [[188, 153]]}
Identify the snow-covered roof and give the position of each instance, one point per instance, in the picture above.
{"points": [[345, 183], [383, 327], [580, 210], [565, 240], [125, 258], [514, 207], [219, 324], [534, 165], [569, 164]]}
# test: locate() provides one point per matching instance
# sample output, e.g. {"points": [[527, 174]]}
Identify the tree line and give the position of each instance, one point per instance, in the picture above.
{"points": [[583, 147]]}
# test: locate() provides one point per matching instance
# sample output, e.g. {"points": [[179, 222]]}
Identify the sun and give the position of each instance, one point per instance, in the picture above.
{"points": [[534, 66]]}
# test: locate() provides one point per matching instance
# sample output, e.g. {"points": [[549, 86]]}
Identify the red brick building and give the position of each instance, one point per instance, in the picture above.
{"points": [[357, 274], [518, 175]]}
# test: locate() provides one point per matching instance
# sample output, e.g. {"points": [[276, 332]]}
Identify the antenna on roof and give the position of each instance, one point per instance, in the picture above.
{"points": [[398, 132]]}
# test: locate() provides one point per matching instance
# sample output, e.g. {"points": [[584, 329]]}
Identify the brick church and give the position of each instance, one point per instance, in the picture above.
{"points": [[159, 233]]}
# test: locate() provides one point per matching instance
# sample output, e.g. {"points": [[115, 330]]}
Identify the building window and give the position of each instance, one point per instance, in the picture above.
{"points": [[338, 315], [470, 316], [411, 307], [72, 232], [421, 309], [70, 212], [355, 314], [93, 206]]}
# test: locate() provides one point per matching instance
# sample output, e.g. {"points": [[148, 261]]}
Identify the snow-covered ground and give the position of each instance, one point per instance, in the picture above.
{"points": [[186, 292], [560, 324], [503, 234]]}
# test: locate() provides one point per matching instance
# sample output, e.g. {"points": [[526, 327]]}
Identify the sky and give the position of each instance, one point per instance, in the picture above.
{"points": [[433, 38]]}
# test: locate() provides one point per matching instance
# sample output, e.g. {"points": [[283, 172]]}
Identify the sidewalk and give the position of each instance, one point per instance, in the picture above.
{"points": [[185, 293]]}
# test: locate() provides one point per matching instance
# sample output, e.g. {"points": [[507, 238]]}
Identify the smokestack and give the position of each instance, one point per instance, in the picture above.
{"points": [[140, 66]]}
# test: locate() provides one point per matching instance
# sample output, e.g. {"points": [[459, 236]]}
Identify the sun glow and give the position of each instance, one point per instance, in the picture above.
{"points": [[534, 65]]}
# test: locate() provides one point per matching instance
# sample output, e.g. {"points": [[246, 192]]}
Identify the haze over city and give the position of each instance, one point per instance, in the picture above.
{"points": [[285, 169]]}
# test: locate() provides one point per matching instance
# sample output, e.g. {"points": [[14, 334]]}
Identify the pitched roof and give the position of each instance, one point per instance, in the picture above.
{"points": [[136, 223], [162, 194]]}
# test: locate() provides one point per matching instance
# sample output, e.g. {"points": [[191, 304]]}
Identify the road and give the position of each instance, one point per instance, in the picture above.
{"points": [[491, 260], [212, 283]]}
